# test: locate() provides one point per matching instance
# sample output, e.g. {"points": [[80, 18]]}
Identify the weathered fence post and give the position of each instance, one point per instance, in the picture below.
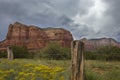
{"points": [[9, 53], [77, 50]]}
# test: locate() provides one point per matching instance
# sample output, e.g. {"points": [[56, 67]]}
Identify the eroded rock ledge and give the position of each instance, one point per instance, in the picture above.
{"points": [[34, 37]]}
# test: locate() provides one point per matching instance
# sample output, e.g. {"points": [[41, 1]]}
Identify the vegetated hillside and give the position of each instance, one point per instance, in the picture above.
{"points": [[34, 37], [102, 49]]}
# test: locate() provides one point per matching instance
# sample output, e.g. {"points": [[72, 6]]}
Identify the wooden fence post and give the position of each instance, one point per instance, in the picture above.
{"points": [[9, 53], [77, 50]]}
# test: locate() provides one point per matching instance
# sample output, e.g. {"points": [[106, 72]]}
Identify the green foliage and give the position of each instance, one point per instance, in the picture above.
{"points": [[3, 54], [90, 55], [21, 52], [104, 53], [54, 51]]}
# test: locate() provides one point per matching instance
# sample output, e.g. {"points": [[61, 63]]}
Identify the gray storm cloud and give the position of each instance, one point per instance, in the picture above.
{"points": [[84, 18]]}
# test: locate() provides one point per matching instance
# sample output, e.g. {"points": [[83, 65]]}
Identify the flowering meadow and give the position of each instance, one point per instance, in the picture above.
{"points": [[31, 69], [21, 69]]}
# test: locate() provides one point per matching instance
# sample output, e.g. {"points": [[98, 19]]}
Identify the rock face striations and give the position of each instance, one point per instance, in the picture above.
{"points": [[92, 44], [34, 37]]}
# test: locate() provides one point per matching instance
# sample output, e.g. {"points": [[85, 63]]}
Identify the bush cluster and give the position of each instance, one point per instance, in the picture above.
{"points": [[18, 52], [3, 54], [51, 51], [104, 53], [22, 52], [54, 51]]}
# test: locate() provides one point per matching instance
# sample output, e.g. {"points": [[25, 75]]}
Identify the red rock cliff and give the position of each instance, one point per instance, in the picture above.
{"points": [[34, 37]]}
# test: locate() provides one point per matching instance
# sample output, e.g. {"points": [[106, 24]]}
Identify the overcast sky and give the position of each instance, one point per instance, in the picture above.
{"points": [[84, 18]]}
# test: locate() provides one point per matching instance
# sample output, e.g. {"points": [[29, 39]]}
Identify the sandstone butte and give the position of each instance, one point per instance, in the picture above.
{"points": [[34, 37]]}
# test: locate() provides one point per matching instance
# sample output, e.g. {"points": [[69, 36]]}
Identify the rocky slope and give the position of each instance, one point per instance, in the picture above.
{"points": [[92, 44], [34, 37]]}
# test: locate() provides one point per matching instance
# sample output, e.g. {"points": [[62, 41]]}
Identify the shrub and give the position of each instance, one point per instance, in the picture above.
{"points": [[3, 54], [90, 55], [54, 51], [104, 53], [20, 52]]}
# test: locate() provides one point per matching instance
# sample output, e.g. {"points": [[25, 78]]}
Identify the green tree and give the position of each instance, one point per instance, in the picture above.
{"points": [[3, 54], [104, 53], [20, 52], [54, 51]]}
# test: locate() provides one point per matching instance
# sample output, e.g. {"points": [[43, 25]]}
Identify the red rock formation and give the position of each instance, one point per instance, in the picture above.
{"points": [[92, 44], [34, 37]]}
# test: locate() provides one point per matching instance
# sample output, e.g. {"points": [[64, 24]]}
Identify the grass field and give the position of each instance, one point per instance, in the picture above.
{"points": [[28, 69], [102, 70]]}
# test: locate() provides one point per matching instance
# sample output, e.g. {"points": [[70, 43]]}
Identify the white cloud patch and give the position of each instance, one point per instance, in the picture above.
{"points": [[94, 19]]}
